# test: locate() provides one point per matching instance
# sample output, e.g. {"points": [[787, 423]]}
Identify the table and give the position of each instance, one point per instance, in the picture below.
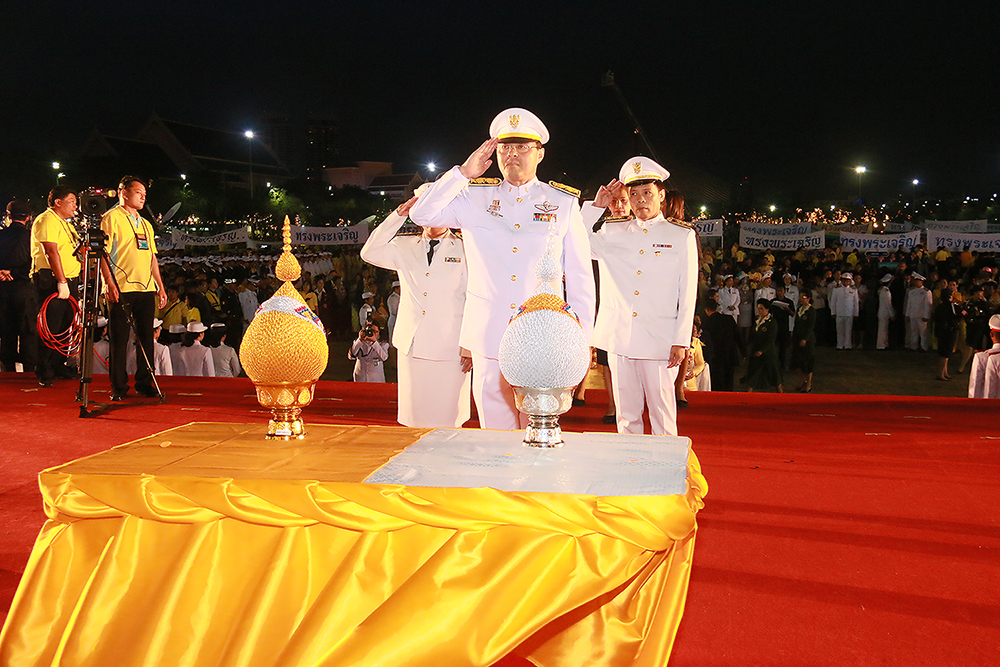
{"points": [[207, 545]]}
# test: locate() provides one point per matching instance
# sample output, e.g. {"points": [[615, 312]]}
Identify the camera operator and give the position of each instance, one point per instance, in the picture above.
{"points": [[135, 288], [55, 269], [18, 308], [368, 355]]}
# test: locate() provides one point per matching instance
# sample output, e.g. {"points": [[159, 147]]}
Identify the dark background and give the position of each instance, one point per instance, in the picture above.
{"points": [[790, 96]]}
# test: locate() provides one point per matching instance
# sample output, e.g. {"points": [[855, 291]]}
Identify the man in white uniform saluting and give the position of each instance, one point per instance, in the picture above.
{"points": [[505, 225], [649, 279], [433, 376]]}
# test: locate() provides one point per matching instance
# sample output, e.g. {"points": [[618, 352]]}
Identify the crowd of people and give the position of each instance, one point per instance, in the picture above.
{"points": [[784, 304], [670, 316]]}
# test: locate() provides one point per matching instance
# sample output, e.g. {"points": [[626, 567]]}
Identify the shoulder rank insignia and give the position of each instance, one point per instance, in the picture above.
{"points": [[565, 188], [680, 223], [484, 181]]}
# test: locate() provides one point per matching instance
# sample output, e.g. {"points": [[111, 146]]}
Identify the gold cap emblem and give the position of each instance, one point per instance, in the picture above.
{"points": [[636, 167], [515, 120]]}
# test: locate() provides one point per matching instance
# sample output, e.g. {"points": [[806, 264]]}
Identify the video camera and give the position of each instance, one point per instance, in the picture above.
{"points": [[93, 205]]}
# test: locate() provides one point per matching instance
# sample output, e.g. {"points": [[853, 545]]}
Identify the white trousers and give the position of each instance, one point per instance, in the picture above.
{"points": [[845, 330], [432, 393], [638, 382], [494, 397], [882, 342], [916, 334]]}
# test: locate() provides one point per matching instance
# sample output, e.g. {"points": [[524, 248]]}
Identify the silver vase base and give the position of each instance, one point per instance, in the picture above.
{"points": [[543, 431]]}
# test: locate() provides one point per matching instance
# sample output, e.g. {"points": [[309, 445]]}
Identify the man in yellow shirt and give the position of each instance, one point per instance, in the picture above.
{"points": [[133, 287], [55, 269], [174, 311]]}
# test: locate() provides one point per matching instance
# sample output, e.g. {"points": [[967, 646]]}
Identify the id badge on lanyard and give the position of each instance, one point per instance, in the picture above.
{"points": [[141, 241]]}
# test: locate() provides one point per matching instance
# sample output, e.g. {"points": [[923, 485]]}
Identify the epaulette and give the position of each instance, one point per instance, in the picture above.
{"points": [[617, 218], [484, 181], [681, 223], [565, 188]]}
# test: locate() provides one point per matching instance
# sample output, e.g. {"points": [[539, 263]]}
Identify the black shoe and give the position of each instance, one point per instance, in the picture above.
{"points": [[609, 419], [45, 383], [577, 402], [148, 392], [117, 398], [67, 374], [681, 403]]}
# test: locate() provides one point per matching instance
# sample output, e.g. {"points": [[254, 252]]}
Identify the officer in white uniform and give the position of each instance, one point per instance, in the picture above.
{"points": [[729, 299], [885, 313], [844, 306], [765, 291], [981, 365], [917, 310], [369, 354], [161, 354], [649, 278], [366, 309], [505, 228], [434, 382], [392, 305]]}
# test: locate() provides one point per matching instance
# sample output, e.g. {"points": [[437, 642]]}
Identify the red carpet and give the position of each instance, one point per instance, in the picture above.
{"points": [[838, 530]]}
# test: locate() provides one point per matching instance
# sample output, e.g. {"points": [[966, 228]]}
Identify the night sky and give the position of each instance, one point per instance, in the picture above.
{"points": [[789, 95]]}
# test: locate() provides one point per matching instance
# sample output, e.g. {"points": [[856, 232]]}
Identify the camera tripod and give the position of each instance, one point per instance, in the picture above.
{"points": [[92, 279]]}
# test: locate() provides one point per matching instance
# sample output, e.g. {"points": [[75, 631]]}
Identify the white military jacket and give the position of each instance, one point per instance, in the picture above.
{"points": [[432, 298], [917, 303], [505, 228], [649, 281], [844, 301], [977, 372], [885, 309]]}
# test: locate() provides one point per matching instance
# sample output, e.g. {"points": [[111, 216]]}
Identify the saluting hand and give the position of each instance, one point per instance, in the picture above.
{"points": [[403, 209], [607, 193], [477, 163]]}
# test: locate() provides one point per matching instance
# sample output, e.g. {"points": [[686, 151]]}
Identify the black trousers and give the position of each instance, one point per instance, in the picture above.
{"points": [[142, 306], [18, 337], [59, 316]]}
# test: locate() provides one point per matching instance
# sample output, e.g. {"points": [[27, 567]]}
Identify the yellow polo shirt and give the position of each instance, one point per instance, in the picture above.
{"points": [[131, 249], [50, 228]]}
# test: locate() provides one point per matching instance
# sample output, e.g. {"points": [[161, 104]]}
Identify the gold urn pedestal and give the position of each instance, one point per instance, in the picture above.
{"points": [[285, 400], [543, 407]]}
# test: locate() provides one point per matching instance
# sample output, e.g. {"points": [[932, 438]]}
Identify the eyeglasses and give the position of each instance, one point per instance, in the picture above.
{"points": [[520, 148]]}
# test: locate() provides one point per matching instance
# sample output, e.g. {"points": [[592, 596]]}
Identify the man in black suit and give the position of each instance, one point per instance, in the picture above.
{"points": [[727, 344]]}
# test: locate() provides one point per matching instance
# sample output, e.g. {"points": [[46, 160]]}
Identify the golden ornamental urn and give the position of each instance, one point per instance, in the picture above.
{"points": [[284, 350]]}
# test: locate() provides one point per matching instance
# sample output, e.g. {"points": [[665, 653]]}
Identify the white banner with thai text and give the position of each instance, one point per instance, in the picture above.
{"points": [[708, 227], [355, 234], [164, 244], [776, 229], [810, 241], [955, 241], [960, 226], [240, 235], [871, 243]]}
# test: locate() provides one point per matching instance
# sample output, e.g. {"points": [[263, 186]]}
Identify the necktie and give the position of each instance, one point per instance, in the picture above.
{"points": [[430, 251]]}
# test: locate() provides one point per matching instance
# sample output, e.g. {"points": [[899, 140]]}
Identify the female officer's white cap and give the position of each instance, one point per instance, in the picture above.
{"points": [[641, 169], [518, 123]]}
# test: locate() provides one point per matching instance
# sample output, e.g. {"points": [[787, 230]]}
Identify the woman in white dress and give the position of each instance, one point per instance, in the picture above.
{"points": [[196, 359]]}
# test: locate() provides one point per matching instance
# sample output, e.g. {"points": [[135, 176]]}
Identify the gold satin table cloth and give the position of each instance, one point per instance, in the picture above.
{"points": [[207, 545]]}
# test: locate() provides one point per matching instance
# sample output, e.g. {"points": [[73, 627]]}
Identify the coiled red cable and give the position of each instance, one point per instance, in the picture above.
{"points": [[67, 342]]}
